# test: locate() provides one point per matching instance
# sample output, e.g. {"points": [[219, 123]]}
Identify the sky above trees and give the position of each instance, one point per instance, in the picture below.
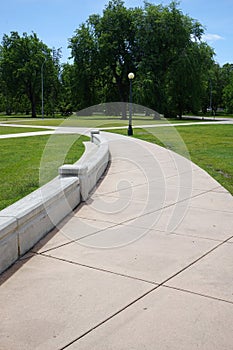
{"points": [[55, 21]]}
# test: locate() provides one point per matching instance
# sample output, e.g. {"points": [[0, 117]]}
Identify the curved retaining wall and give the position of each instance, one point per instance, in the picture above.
{"points": [[25, 222]]}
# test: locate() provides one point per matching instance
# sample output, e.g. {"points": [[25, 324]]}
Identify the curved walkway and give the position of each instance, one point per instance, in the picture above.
{"points": [[145, 263]]}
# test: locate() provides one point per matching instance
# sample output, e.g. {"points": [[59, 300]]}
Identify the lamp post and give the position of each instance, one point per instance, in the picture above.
{"points": [[42, 88], [211, 96], [130, 129]]}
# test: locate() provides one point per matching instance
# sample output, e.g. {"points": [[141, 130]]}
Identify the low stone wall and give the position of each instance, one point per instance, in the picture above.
{"points": [[25, 222], [90, 171]]}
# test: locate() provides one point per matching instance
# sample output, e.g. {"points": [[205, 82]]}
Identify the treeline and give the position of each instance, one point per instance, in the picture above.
{"points": [[175, 71]]}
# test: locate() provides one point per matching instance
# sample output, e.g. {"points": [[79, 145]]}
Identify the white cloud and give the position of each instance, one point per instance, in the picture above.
{"points": [[212, 37]]}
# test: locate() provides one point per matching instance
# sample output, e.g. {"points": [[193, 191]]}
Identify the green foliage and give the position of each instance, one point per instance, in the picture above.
{"points": [[187, 77], [24, 60], [102, 52], [4, 130], [67, 79], [158, 43], [218, 93], [227, 94]]}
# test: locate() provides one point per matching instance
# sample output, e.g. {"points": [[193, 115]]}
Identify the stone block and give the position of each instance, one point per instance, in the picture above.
{"points": [[8, 242]]}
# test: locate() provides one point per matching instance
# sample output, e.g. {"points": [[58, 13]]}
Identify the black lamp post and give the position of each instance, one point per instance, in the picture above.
{"points": [[130, 129], [211, 96]]}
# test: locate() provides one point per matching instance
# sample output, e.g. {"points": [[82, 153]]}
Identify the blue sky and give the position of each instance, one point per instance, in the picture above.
{"points": [[55, 21]]}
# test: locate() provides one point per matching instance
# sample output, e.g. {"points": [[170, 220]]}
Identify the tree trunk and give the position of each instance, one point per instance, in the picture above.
{"points": [[32, 99], [33, 107]]}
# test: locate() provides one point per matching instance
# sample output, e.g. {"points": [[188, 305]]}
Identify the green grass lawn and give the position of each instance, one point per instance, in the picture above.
{"points": [[15, 117], [209, 146], [21, 163], [14, 130], [100, 121]]}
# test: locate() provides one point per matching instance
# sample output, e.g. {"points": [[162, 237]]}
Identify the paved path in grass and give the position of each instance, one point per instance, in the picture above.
{"points": [[26, 134], [65, 129], [145, 263]]}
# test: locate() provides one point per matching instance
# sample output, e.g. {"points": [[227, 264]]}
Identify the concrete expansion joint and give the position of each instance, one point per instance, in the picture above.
{"points": [[198, 294], [111, 317], [196, 260], [98, 269]]}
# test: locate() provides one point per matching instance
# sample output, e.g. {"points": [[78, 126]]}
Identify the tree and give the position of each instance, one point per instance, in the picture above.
{"points": [[227, 86], [83, 50], [21, 62], [216, 86], [174, 60], [160, 44], [187, 78], [103, 54], [116, 36], [52, 84], [217, 92], [227, 76], [67, 79]]}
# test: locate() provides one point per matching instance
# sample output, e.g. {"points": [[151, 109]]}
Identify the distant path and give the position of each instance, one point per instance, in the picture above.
{"points": [[170, 125], [85, 130]]}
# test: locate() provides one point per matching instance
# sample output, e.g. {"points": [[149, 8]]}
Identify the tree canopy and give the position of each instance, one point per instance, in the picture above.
{"points": [[158, 43], [174, 68], [22, 62]]}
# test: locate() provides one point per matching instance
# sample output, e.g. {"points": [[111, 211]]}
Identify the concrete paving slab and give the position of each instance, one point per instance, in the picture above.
{"points": [[211, 276], [146, 156], [154, 169], [149, 255], [204, 223], [126, 207], [218, 202], [120, 181], [134, 202], [165, 319], [165, 219], [131, 177], [154, 157], [72, 228], [121, 164], [53, 239], [123, 184], [199, 180], [119, 211], [47, 303], [141, 151], [188, 221], [133, 150], [220, 189], [151, 191]]}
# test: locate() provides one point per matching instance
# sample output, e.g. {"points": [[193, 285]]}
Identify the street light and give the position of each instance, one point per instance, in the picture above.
{"points": [[42, 88], [130, 129], [211, 96]]}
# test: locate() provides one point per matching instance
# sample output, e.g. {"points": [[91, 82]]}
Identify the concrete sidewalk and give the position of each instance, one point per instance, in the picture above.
{"points": [[146, 263]]}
